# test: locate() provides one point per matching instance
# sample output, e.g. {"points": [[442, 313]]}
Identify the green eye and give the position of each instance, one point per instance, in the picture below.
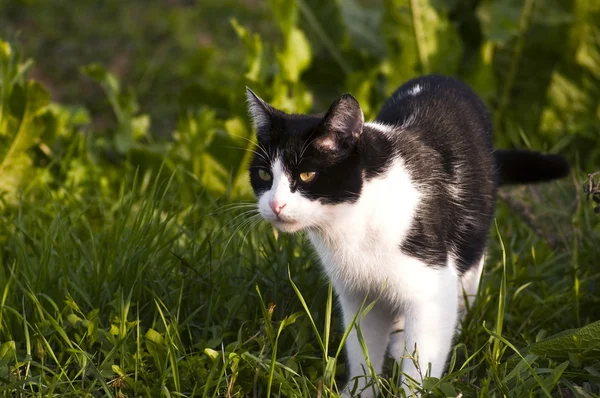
{"points": [[307, 176], [264, 175]]}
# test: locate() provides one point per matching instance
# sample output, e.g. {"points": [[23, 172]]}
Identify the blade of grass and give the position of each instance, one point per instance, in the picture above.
{"points": [[496, 349], [512, 347]]}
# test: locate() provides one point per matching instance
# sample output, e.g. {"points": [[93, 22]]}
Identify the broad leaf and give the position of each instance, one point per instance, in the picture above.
{"points": [[130, 126], [8, 351], [254, 52], [421, 39], [296, 56], [286, 14], [26, 120], [363, 24], [584, 341]]}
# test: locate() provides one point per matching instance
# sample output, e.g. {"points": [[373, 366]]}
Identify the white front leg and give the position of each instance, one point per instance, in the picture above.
{"points": [[430, 325], [398, 339], [375, 327]]}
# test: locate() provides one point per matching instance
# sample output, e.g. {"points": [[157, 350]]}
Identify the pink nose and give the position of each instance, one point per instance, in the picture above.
{"points": [[276, 206]]}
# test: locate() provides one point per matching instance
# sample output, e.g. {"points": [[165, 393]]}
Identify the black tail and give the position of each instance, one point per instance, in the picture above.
{"points": [[519, 166]]}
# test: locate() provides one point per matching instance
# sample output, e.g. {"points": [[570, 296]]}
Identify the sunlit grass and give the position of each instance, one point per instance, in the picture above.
{"points": [[117, 282], [151, 298]]}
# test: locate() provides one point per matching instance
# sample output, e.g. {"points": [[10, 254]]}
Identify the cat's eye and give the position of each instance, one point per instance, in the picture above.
{"points": [[264, 175], [307, 176]]}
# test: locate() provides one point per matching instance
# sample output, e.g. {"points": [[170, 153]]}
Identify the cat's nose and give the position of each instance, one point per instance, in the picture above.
{"points": [[276, 206]]}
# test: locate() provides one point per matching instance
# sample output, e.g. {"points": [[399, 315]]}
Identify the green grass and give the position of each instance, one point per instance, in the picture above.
{"points": [[146, 297], [131, 263]]}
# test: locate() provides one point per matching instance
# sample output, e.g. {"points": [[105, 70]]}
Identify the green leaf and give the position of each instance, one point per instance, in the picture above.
{"points": [[296, 56], [141, 126], [500, 19], [5, 51], [420, 39], [552, 380], [330, 369], [588, 51], [215, 156], [290, 319], [361, 85], [254, 52], [584, 341], [521, 367], [155, 345], [437, 38], [102, 76], [8, 351], [286, 15], [92, 318], [363, 25], [433, 383], [154, 337], [26, 122], [402, 63], [212, 354], [480, 73], [124, 105], [239, 133], [73, 319]]}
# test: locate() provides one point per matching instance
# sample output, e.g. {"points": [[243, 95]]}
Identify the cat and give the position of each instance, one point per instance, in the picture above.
{"points": [[397, 209]]}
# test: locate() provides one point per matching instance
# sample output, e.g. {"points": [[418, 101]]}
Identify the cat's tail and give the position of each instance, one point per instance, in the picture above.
{"points": [[519, 166]]}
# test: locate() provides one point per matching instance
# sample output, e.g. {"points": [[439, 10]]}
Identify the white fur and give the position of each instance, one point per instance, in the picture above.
{"points": [[382, 128], [298, 213], [359, 247], [327, 143], [258, 111], [406, 92], [359, 238], [416, 89], [392, 130]]}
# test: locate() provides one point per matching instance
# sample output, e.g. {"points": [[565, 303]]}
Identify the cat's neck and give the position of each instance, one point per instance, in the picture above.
{"points": [[384, 210]]}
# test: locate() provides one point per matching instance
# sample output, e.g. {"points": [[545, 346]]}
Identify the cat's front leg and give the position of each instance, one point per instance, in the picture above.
{"points": [[431, 319], [375, 327]]}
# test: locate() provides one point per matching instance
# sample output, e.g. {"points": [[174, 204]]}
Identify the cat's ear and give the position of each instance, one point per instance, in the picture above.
{"points": [[260, 113], [342, 124]]}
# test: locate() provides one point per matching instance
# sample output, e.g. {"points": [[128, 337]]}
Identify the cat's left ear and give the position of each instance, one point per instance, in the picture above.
{"points": [[260, 113], [342, 124]]}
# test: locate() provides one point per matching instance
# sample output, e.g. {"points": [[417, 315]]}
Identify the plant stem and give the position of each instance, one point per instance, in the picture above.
{"points": [[415, 10], [327, 42], [524, 23]]}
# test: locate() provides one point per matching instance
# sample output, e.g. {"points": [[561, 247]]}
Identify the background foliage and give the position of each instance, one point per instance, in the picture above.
{"points": [[131, 262]]}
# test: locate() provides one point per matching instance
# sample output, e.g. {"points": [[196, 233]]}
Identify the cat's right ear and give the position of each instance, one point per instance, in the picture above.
{"points": [[260, 113], [342, 125]]}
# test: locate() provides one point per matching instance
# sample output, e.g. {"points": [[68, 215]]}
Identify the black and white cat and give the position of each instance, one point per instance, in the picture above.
{"points": [[397, 209]]}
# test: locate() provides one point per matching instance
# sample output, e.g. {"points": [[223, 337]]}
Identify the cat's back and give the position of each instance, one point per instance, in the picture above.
{"points": [[438, 107], [443, 121]]}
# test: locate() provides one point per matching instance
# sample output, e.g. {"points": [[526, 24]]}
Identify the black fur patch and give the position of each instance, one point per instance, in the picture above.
{"points": [[292, 139], [519, 166]]}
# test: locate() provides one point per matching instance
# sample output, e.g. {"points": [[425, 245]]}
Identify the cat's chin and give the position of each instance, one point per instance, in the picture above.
{"points": [[288, 226]]}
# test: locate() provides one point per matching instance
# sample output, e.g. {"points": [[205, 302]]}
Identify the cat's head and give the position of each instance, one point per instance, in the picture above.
{"points": [[305, 167]]}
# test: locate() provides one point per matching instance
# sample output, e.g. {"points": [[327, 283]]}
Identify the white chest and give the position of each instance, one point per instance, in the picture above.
{"points": [[360, 247]]}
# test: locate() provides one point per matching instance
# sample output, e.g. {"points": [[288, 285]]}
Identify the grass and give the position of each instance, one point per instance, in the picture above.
{"points": [[146, 297], [118, 281]]}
